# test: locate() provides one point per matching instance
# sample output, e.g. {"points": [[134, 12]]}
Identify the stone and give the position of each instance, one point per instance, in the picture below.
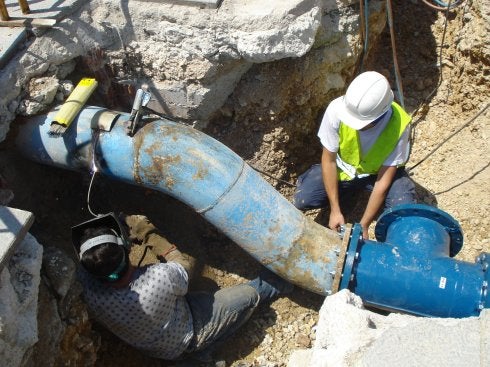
{"points": [[348, 334], [19, 285], [59, 270]]}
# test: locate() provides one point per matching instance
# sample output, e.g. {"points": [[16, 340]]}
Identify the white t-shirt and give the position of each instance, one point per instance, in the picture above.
{"points": [[329, 135]]}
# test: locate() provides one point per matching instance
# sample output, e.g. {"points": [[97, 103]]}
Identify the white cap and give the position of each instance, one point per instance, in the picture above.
{"points": [[367, 98]]}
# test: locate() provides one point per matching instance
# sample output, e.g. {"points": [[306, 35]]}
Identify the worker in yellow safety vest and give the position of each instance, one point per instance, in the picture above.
{"points": [[365, 139]]}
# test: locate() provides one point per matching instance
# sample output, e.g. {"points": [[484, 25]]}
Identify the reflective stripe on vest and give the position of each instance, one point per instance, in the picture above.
{"points": [[371, 162]]}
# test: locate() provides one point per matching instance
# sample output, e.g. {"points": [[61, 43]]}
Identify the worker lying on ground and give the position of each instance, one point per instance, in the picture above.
{"points": [[149, 306], [365, 138]]}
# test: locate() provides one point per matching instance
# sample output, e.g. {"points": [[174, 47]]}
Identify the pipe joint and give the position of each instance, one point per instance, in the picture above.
{"points": [[352, 256]]}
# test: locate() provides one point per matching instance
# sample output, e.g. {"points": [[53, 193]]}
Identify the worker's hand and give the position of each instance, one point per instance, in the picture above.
{"points": [[365, 233], [336, 220], [139, 227], [365, 230]]}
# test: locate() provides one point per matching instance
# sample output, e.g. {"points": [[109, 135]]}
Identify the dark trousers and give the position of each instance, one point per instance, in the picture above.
{"points": [[218, 315], [310, 191]]}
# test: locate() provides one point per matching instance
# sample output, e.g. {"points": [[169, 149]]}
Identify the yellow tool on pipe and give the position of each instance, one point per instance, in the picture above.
{"points": [[72, 106]]}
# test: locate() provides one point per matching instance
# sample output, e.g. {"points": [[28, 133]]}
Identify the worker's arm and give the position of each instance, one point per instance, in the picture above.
{"points": [[162, 248], [377, 197], [139, 227], [329, 173], [142, 230]]}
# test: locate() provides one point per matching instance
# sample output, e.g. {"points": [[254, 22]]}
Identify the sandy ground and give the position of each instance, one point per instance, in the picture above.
{"points": [[454, 177]]}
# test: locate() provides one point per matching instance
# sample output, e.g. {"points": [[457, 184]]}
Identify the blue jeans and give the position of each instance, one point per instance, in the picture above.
{"points": [[218, 315], [310, 191]]}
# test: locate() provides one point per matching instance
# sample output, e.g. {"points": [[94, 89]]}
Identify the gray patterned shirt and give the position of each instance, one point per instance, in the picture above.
{"points": [[151, 313]]}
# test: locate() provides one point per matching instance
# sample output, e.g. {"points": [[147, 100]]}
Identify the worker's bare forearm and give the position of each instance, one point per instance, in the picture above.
{"points": [[376, 200], [163, 248], [329, 174], [377, 197], [139, 227], [182, 259]]}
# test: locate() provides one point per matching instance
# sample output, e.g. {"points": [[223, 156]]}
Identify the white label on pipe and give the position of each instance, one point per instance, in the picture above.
{"points": [[442, 283]]}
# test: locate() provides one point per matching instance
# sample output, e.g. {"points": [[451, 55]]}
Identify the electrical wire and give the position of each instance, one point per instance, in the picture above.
{"points": [[443, 6], [143, 256], [94, 169], [449, 137], [398, 80], [364, 29], [271, 176], [439, 78], [88, 194]]}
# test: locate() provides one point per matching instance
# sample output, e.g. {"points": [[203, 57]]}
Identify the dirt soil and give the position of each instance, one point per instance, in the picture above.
{"points": [[453, 177]]}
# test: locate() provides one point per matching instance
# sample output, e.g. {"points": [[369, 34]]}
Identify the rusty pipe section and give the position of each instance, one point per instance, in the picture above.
{"points": [[203, 173]]}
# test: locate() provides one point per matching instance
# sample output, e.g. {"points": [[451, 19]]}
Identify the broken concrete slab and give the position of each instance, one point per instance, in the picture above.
{"points": [[19, 291], [14, 224], [349, 335], [10, 39], [43, 9]]}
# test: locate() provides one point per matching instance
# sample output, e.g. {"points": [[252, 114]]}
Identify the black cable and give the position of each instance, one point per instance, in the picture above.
{"points": [[439, 79], [170, 118], [449, 137], [143, 256], [274, 178]]}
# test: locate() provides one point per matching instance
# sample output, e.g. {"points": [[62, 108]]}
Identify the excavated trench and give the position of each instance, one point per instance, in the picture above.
{"points": [[283, 144]]}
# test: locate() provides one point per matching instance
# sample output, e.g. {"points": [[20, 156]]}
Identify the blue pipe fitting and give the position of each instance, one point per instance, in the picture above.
{"points": [[411, 270]]}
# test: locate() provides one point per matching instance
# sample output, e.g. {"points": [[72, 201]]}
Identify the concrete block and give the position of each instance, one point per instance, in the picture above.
{"points": [[10, 39], [14, 224], [43, 8]]}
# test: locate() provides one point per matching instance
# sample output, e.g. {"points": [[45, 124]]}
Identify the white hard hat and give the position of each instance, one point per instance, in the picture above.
{"points": [[367, 98]]}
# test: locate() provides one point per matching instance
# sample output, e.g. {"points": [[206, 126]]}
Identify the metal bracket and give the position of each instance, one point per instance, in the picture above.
{"points": [[140, 100]]}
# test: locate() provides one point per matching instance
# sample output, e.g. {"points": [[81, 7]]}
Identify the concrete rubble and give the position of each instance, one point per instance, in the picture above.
{"points": [[20, 277], [190, 58], [349, 335]]}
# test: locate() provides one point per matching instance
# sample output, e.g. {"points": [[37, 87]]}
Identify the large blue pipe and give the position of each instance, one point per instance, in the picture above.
{"points": [[198, 170], [409, 269]]}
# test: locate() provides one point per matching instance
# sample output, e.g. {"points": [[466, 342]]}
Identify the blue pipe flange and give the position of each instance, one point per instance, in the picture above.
{"points": [[451, 226], [351, 257], [483, 259]]}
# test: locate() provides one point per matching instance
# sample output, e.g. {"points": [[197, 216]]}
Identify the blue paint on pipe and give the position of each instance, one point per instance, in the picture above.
{"points": [[206, 175]]}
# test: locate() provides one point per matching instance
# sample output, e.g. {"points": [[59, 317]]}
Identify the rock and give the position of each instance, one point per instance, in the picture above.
{"points": [[59, 270], [350, 335], [18, 302], [302, 340], [42, 92]]}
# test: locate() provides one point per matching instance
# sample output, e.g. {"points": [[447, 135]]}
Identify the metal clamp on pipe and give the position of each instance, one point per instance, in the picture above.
{"points": [[140, 100]]}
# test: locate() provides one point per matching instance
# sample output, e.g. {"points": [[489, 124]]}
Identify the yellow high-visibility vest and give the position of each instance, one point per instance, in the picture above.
{"points": [[371, 162]]}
